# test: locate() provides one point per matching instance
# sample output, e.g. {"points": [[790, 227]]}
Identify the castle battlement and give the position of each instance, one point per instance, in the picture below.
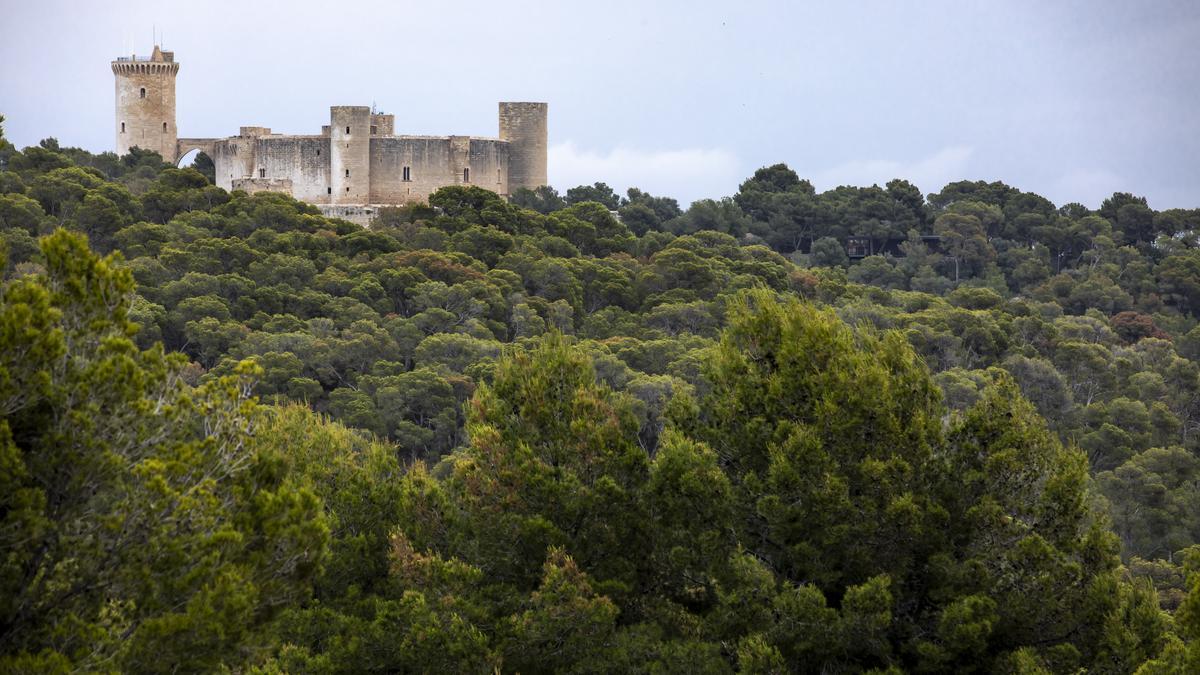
{"points": [[128, 67], [356, 160]]}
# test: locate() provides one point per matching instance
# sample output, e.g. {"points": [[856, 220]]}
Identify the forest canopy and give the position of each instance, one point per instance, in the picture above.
{"points": [[859, 430]]}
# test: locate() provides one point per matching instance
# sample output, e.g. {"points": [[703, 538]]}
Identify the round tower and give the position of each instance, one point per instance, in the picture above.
{"points": [[145, 92], [523, 125]]}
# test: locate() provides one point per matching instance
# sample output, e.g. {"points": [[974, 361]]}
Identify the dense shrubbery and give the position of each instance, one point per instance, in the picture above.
{"points": [[594, 440]]}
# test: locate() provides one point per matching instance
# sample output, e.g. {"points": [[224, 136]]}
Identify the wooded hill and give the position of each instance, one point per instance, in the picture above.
{"points": [[593, 433]]}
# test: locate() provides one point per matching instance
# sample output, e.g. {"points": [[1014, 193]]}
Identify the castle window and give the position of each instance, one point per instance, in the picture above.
{"points": [[164, 127], [347, 173], [407, 173], [143, 92], [466, 175], [262, 173], [122, 127], [328, 190], [347, 189], [374, 129], [347, 130], [318, 152]]}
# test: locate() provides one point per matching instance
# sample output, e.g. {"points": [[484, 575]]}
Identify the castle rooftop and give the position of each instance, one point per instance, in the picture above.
{"points": [[158, 56]]}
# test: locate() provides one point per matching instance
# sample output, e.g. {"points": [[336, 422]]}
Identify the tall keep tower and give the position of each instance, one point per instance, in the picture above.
{"points": [[145, 88], [523, 125], [349, 154]]}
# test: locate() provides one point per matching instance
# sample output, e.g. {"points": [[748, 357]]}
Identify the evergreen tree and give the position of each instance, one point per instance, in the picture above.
{"points": [[142, 527]]}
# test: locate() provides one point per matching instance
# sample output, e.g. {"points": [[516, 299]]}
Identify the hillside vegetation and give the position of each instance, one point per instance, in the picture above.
{"points": [[593, 433]]}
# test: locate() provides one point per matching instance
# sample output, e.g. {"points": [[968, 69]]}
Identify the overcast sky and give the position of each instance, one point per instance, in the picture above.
{"points": [[1072, 100]]}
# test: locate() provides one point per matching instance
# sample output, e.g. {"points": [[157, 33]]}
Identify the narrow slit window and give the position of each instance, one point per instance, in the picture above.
{"points": [[347, 189], [347, 130], [164, 127], [466, 175], [143, 92], [407, 174], [122, 127], [318, 152], [347, 173], [328, 190], [262, 173]]}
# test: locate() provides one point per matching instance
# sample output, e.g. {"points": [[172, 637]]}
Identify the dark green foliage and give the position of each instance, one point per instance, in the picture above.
{"points": [[544, 199], [828, 252], [642, 212], [600, 193], [204, 164], [606, 436]]}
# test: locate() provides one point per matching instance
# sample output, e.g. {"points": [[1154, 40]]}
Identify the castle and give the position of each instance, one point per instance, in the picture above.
{"points": [[354, 165]]}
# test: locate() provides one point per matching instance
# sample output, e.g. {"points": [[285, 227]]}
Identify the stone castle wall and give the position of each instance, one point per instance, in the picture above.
{"points": [[309, 162], [302, 160], [434, 162], [234, 157], [359, 214], [252, 185], [356, 160], [383, 125]]}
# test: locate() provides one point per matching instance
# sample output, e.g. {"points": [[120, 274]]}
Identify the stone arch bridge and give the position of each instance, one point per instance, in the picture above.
{"points": [[183, 146]]}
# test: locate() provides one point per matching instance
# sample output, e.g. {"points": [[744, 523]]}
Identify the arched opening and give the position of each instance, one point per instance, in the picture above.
{"points": [[200, 161], [188, 158], [164, 127], [143, 92]]}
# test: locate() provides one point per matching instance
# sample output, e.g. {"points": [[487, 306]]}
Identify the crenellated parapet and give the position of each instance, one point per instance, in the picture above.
{"points": [[144, 68]]}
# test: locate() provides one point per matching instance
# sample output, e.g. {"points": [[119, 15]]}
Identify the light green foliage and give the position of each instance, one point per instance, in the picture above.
{"points": [[1013, 482], [877, 270], [1182, 654], [797, 414], [982, 526], [551, 427], [142, 525], [566, 625], [1155, 501]]}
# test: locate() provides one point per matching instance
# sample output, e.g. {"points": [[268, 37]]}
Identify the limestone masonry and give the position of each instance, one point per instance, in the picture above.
{"points": [[355, 163]]}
